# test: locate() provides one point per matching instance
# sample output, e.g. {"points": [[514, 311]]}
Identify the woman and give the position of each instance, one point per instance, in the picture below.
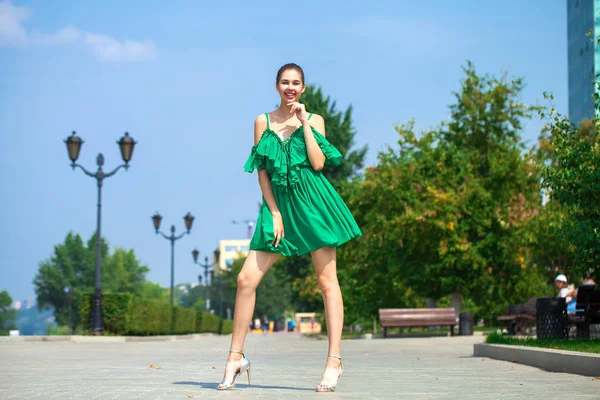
{"points": [[301, 213]]}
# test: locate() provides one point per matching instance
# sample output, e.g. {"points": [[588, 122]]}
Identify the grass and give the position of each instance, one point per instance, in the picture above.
{"points": [[582, 345]]}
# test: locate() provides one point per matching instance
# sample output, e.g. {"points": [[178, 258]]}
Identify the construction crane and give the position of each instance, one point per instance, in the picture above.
{"points": [[249, 223]]}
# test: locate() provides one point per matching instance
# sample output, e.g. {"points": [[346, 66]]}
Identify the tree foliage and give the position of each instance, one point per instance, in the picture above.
{"points": [[571, 174], [72, 267], [7, 314], [448, 210]]}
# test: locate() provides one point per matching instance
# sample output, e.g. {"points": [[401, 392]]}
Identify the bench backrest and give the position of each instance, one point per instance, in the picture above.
{"points": [[530, 306], [417, 316], [587, 296]]}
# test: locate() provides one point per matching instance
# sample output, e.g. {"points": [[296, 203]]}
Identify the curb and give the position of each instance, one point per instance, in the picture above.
{"points": [[103, 339], [571, 362]]}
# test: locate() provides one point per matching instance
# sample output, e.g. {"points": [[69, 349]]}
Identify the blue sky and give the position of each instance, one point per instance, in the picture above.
{"points": [[187, 79]]}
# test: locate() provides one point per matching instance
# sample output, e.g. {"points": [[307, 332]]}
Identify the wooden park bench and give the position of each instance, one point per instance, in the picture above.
{"points": [[587, 310], [520, 318], [416, 317]]}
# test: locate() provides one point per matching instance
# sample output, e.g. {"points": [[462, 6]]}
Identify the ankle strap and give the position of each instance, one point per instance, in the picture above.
{"points": [[237, 351], [334, 356]]}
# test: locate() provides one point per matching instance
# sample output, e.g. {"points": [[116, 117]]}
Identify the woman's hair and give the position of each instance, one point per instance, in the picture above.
{"points": [[290, 66]]}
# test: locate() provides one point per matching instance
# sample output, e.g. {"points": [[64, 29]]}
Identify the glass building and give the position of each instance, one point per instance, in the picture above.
{"points": [[583, 18]]}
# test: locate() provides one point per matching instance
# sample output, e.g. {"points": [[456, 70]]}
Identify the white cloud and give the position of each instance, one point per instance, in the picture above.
{"points": [[106, 48]]}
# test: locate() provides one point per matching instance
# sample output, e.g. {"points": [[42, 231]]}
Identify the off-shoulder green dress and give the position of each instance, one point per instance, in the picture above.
{"points": [[313, 213]]}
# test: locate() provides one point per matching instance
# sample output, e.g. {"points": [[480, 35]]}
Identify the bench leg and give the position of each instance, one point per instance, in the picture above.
{"points": [[384, 332], [583, 330], [451, 330]]}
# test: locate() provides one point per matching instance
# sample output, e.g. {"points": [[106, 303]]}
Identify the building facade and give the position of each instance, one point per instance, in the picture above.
{"points": [[229, 251], [583, 19]]}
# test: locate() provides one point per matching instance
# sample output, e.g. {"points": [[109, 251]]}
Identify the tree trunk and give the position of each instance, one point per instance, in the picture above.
{"points": [[432, 303], [456, 302]]}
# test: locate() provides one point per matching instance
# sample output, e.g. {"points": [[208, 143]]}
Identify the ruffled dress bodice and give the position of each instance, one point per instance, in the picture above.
{"points": [[283, 158]]}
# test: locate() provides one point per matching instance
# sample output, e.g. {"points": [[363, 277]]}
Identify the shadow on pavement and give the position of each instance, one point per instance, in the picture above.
{"points": [[213, 385]]}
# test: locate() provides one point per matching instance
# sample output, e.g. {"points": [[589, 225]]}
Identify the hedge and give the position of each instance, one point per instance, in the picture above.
{"points": [[226, 327], [126, 314], [150, 317], [207, 322], [184, 320]]}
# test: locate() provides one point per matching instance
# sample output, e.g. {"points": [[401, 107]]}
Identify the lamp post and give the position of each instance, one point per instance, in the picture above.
{"points": [[189, 220], [126, 145], [206, 266]]}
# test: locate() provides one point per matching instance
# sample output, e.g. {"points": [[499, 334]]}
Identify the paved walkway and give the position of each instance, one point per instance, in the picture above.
{"points": [[284, 366]]}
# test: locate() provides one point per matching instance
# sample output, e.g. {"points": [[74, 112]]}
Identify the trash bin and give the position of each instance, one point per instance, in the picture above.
{"points": [[551, 318], [465, 324]]}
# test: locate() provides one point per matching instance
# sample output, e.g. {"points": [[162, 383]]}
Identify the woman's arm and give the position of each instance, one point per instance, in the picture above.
{"points": [[264, 181], [315, 154]]}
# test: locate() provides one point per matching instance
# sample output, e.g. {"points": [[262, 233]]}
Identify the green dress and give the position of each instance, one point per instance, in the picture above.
{"points": [[313, 214]]}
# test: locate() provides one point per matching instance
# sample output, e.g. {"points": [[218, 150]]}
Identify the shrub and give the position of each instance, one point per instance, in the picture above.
{"points": [[114, 308], [150, 317], [207, 322], [226, 326], [184, 320]]}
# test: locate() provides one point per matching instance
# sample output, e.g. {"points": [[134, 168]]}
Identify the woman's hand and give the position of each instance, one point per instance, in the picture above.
{"points": [[277, 228], [300, 111]]}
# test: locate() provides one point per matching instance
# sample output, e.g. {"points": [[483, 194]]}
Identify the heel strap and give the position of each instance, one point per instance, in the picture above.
{"points": [[334, 356], [238, 352]]}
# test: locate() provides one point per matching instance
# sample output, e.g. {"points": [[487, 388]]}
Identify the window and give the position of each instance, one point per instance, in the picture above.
{"points": [[229, 262], [231, 249], [245, 248]]}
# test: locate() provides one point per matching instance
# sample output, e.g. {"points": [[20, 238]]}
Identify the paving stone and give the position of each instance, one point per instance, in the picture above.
{"points": [[283, 366]]}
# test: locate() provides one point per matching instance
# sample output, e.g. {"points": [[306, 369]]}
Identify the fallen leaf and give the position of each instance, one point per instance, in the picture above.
{"points": [[190, 396], [515, 361], [154, 366], [418, 358], [214, 367]]}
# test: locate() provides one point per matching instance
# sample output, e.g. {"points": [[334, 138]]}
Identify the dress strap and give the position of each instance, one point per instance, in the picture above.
{"points": [[268, 123], [309, 115]]}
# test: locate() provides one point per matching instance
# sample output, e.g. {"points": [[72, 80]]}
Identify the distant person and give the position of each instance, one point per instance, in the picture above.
{"points": [[560, 282], [256, 323], [289, 152], [291, 325], [265, 324]]}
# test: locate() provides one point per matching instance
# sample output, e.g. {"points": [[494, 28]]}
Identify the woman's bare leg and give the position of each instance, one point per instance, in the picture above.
{"points": [[255, 267], [324, 260]]}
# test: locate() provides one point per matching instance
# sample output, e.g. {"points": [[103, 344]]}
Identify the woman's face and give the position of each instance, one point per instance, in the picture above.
{"points": [[290, 86], [559, 284]]}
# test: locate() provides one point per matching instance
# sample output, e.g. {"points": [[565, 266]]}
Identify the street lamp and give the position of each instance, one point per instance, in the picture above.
{"points": [[126, 145], [206, 266], [189, 220]]}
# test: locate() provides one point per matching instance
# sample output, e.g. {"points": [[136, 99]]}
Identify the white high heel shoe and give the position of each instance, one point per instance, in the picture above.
{"points": [[225, 384], [324, 387]]}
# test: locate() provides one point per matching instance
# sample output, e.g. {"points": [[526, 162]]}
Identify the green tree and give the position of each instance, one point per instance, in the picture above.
{"points": [[153, 291], [340, 133], [72, 267], [7, 314], [449, 210], [572, 178]]}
